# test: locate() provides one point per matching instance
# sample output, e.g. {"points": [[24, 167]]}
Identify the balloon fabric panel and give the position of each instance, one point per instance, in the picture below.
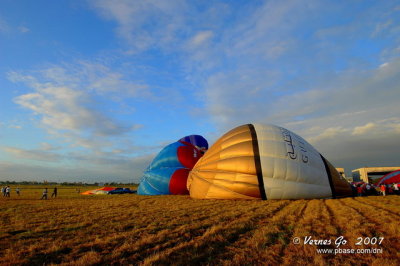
{"points": [[168, 172], [227, 170]]}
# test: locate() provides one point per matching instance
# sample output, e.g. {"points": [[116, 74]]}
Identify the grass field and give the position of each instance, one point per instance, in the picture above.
{"points": [[158, 230]]}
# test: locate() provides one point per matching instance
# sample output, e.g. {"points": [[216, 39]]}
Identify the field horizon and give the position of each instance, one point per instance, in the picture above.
{"points": [[74, 229]]}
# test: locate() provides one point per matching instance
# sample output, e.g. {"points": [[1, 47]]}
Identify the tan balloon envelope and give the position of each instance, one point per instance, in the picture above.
{"points": [[257, 161]]}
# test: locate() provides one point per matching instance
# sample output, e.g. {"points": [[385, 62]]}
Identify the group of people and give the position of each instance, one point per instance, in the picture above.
{"points": [[54, 194], [390, 189], [366, 189], [7, 190]]}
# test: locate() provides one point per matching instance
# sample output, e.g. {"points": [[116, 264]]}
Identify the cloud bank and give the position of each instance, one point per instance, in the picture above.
{"points": [[327, 71]]}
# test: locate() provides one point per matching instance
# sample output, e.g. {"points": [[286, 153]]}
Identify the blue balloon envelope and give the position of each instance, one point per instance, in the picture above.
{"points": [[168, 172]]}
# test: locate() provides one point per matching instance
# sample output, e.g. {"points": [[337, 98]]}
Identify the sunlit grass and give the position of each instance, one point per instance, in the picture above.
{"points": [[129, 229]]}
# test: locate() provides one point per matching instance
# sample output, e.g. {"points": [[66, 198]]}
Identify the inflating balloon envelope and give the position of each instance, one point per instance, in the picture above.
{"points": [[257, 161], [168, 172]]}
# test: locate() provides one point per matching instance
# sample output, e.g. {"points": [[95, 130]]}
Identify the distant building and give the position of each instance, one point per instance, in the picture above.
{"points": [[371, 174]]}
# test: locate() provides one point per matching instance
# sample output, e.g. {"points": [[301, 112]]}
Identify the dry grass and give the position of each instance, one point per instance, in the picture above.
{"points": [[130, 229]]}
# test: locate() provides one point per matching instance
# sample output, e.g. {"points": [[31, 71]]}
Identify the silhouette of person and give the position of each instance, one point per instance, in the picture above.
{"points": [[44, 196], [54, 192]]}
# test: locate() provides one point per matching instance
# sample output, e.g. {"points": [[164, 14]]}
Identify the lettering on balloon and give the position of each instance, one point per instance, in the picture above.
{"points": [[303, 151], [287, 137], [290, 147]]}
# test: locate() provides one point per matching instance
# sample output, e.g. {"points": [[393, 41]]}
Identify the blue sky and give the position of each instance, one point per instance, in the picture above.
{"points": [[92, 90]]}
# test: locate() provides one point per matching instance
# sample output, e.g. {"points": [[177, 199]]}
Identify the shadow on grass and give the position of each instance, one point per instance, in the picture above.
{"points": [[48, 258]]}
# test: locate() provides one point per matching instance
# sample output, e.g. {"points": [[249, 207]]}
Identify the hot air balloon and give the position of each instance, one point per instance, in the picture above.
{"points": [[393, 177], [108, 191], [99, 191], [256, 161], [167, 174]]}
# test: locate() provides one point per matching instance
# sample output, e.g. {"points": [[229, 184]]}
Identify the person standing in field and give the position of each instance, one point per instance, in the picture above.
{"points": [[3, 191], [360, 191], [44, 196], [17, 191], [383, 189], [8, 190], [396, 188], [54, 192], [389, 189]]}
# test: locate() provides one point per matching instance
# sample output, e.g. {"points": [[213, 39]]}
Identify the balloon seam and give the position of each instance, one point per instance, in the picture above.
{"points": [[329, 177], [257, 161]]}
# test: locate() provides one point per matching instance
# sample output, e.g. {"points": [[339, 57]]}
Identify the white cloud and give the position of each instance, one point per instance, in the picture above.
{"points": [[280, 62], [37, 155], [201, 37], [296, 85], [15, 126], [4, 27], [384, 65], [45, 146], [94, 76], [72, 102], [23, 29], [277, 62], [65, 99], [11, 124], [348, 100], [63, 108], [103, 170], [327, 133], [27, 79], [267, 32], [60, 164], [362, 130], [144, 24]]}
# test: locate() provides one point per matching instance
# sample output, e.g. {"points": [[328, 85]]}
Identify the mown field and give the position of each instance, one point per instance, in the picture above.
{"points": [[162, 230]]}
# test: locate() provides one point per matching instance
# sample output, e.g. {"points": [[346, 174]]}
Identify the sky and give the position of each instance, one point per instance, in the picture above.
{"points": [[91, 90]]}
